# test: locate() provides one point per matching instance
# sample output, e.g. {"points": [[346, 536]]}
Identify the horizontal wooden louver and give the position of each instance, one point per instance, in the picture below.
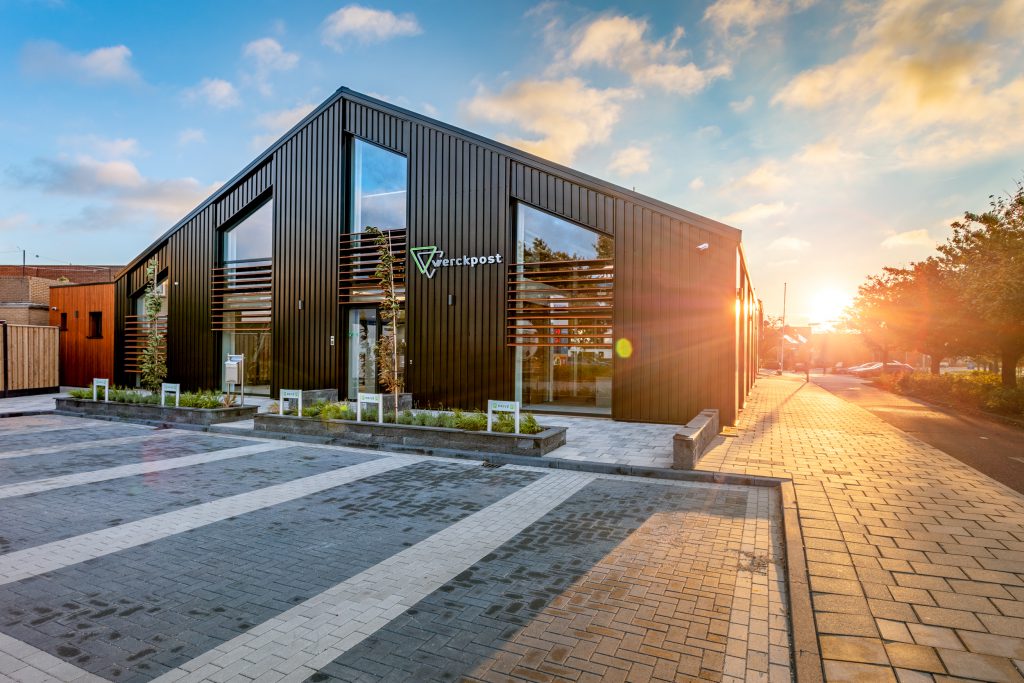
{"points": [[241, 296], [357, 262], [561, 303], [136, 334]]}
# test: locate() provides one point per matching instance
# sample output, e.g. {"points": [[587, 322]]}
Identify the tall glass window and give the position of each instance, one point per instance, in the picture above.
{"points": [[247, 248], [563, 316], [379, 188]]}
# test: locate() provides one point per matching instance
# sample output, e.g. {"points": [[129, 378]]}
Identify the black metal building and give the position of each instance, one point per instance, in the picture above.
{"points": [[522, 279]]}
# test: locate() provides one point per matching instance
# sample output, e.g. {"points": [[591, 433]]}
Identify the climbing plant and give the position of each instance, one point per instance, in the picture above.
{"points": [[152, 360], [390, 312]]}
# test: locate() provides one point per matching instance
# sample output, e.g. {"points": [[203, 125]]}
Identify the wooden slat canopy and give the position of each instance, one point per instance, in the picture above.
{"points": [[357, 262], [136, 332], [561, 303], [241, 296]]}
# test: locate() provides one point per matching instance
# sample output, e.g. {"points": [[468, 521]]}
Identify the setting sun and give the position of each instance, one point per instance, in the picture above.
{"points": [[827, 307]]}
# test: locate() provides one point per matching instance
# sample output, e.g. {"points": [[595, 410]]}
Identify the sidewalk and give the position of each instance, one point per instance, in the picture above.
{"points": [[916, 560]]}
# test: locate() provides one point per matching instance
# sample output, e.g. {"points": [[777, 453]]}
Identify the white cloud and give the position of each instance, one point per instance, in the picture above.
{"points": [[743, 105], [789, 243], [216, 92], [276, 123], [13, 222], [910, 238], [104, 148], [631, 161], [119, 185], [708, 132], [768, 177], [757, 214], [697, 183], [563, 115], [827, 152], [190, 135], [102, 65], [930, 81], [621, 43], [358, 24], [268, 56], [741, 19]]}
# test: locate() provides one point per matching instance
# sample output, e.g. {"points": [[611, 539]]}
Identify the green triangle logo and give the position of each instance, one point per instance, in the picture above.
{"points": [[424, 258]]}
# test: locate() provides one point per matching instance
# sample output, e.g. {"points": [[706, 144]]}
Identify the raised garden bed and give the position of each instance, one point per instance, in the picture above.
{"points": [[146, 412], [545, 441]]}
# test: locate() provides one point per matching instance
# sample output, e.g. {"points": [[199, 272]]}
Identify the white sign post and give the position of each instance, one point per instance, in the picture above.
{"points": [[502, 407], [166, 388], [96, 384], [290, 394], [362, 398]]}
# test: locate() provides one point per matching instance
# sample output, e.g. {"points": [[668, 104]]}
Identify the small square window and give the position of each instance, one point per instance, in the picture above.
{"points": [[95, 325], [63, 322]]}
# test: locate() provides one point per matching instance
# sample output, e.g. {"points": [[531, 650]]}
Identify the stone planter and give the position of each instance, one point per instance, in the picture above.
{"points": [[141, 412], [413, 435]]}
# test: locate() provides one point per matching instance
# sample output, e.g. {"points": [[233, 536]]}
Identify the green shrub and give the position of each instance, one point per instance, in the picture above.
{"points": [[200, 399], [978, 390], [81, 393], [314, 410], [337, 411], [406, 417]]}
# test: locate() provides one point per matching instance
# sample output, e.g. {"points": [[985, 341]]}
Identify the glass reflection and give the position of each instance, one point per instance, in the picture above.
{"points": [[379, 183]]}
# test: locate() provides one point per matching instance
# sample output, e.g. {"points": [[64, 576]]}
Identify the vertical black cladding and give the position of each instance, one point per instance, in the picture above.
{"points": [[308, 214], [193, 350]]}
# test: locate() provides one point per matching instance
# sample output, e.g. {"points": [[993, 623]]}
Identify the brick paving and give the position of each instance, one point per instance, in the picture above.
{"points": [[916, 560], [286, 561]]}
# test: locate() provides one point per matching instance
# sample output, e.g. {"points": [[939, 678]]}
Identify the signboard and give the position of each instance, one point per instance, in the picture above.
{"points": [[429, 259], [96, 384], [290, 394], [166, 388], [502, 407], [362, 398]]}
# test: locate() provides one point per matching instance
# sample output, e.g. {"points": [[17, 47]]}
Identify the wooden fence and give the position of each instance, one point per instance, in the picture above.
{"points": [[28, 359]]}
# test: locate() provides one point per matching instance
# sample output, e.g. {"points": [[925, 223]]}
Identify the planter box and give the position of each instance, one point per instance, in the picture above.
{"points": [[153, 413], [413, 435]]}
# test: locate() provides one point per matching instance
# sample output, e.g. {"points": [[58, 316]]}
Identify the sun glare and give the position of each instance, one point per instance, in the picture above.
{"points": [[827, 307]]}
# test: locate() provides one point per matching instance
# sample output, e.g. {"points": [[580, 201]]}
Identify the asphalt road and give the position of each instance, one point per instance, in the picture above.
{"points": [[988, 446]]}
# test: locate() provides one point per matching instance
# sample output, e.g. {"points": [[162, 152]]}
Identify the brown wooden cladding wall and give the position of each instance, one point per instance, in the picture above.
{"points": [[30, 354], [83, 358], [673, 302]]}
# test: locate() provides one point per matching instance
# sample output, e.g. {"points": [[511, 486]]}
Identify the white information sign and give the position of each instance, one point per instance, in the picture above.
{"points": [[502, 407], [96, 384], [362, 398], [166, 388], [290, 394]]}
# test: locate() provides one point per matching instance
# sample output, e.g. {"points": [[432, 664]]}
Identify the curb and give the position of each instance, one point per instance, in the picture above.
{"points": [[27, 413], [806, 654]]}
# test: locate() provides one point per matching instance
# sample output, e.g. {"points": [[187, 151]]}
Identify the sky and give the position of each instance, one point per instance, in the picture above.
{"points": [[840, 136]]}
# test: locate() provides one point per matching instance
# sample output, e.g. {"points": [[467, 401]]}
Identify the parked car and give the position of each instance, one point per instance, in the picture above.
{"points": [[896, 366], [867, 369]]}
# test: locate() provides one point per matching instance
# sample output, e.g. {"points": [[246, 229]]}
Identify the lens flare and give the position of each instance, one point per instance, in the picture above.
{"points": [[624, 348]]}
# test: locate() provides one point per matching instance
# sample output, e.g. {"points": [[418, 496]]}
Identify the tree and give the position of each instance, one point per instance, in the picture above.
{"points": [[917, 309], [986, 256], [152, 360], [390, 312]]}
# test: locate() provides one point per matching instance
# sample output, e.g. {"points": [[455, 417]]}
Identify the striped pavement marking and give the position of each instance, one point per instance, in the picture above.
{"points": [[49, 557], [295, 644]]}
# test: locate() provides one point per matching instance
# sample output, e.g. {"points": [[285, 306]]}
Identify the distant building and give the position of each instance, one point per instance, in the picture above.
{"points": [[25, 300], [79, 275], [85, 315]]}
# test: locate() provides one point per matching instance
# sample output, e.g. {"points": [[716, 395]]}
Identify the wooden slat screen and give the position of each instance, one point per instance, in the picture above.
{"points": [[241, 296], [561, 303], [357, 261], [136, 331]]}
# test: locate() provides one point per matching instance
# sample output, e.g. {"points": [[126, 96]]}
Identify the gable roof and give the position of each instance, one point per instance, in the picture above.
{"points": [[532, 160]]}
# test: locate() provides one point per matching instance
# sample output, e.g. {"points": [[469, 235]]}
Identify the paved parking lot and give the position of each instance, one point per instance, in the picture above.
{"points": [[132, 554]]}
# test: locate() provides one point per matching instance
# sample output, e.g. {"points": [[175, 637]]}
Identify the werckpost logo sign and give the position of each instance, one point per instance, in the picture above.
{"points": [[429, 259]]}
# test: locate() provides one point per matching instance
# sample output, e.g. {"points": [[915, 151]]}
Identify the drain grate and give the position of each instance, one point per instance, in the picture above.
{"points": [[493, 465]]}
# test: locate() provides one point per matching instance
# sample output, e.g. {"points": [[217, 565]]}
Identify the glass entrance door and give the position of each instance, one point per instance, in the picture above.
{"points": [[362, 343]]}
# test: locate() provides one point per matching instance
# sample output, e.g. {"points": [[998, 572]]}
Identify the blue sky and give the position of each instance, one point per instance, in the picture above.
{"points": [[839, 136]]}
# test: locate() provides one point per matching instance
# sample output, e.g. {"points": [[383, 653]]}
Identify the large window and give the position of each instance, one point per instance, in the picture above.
{"points": [[245, 275], [379, 183], [562, 315]]}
